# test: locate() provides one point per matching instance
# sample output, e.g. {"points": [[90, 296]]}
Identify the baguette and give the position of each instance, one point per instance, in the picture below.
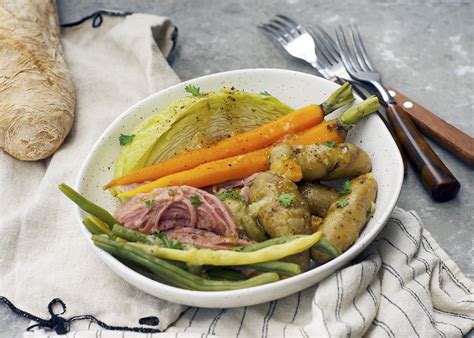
{"points": [[37, 96]]}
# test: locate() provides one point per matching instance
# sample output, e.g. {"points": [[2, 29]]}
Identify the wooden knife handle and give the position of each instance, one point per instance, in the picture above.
{"points": [[445, 134], [436, 177]]}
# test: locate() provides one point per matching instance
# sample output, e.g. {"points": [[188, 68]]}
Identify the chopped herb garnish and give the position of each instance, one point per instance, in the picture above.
{"points": [[149, 203], [193, 90], [265, 93], [173, 244], [329, 144], [342, 203], [346, 188], [286, 200], [195, 201], [226, 194], [126, 139]]}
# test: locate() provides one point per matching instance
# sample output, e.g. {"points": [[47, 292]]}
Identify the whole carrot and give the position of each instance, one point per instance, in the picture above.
{"points": [[336, 130], [215, 172], [252, 140], [244, 165]]}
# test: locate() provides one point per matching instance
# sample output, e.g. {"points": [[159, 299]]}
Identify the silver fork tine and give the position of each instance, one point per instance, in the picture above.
{"points": [[353, 55], [295, 39], [327, 62], [353, 52], [274, 34], [321, 44], [332, 44], [344, 47], [285, 28], [362, 49], [291, 23], [285, 36], [358, 51]]}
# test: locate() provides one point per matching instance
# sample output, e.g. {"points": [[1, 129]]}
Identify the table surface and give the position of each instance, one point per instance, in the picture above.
{"points": [[423, 50]]}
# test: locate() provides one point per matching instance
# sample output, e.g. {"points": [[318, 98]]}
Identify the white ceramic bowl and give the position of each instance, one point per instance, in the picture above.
{"points": [[297, 90]]}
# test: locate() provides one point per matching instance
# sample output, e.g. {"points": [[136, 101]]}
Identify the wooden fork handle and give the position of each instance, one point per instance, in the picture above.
{"points": [[436, 177], [443, 133]]}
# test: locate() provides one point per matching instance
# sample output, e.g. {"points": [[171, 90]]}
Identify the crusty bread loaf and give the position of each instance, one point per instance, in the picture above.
{"points": [[37, 97]]}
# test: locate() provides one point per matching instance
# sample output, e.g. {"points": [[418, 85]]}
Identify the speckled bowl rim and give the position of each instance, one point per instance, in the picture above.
{"points": [[248, 296]]}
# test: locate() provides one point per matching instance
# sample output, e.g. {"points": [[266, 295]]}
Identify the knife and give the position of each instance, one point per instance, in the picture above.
{"points": [[443, 133]]}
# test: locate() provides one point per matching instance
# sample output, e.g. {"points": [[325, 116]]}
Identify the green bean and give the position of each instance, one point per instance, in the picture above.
{"points": [[281, 268], [226, 274], [122, 238], [101, 225], [174, 275], [270, 242], [87, 205], [194, 269], [135, 261], [326, 246], [135, 236], [92, 227], [141, 270], [132, 235]]}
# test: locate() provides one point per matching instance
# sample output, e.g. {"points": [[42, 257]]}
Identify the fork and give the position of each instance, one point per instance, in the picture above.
{"points": [[319, 50], [295, 39], [436, 177]]}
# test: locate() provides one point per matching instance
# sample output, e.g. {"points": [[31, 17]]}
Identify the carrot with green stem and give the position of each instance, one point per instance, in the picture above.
{"points": [[242, 166], [246, 142]]}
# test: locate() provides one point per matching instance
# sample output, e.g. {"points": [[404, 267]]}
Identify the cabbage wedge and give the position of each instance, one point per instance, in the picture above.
{"points": [[194, 122]]}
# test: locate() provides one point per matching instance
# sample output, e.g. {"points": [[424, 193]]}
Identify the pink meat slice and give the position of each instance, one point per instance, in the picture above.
{"points": [[205, 239], [165, 209], [242, 183]]}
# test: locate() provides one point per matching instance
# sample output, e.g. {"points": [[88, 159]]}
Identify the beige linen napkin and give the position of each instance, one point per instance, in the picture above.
{"points": [[43, 253]]}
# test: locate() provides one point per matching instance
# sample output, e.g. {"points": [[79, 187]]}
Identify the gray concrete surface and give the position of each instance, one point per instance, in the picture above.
{"points": [[424, 49]]}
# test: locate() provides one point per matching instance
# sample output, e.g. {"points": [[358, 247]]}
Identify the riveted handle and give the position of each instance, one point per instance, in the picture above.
{"points": [[436, 177], [443, 133]]}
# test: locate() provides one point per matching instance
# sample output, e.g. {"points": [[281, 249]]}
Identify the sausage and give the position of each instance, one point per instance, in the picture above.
{"points": [[322, 162], [276, 218], [319, 197], [347, 216]]}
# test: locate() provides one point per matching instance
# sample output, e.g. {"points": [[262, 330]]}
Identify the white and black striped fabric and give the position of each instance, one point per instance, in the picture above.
{"points": [[402, 285]]}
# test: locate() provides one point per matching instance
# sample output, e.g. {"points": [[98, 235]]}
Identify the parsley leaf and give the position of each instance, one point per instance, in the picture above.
{"points": [[342, 203], [226, 194], [192, 89], [286, 200], [173, 244], [346, 188], [126, 139], [329, 144], [265, 93], [149, 203], [195, 201]]}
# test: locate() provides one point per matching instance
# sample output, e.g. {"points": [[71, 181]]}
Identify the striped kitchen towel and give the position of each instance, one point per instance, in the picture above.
{"points": [[402, 285]]}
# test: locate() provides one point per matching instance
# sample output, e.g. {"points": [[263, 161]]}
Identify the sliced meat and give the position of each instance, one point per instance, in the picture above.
{"points": [[168, 208], [205, 239]]}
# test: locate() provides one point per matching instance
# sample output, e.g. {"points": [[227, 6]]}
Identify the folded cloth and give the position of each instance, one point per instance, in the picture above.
{"points": [[402, 285], [44, 255]]}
